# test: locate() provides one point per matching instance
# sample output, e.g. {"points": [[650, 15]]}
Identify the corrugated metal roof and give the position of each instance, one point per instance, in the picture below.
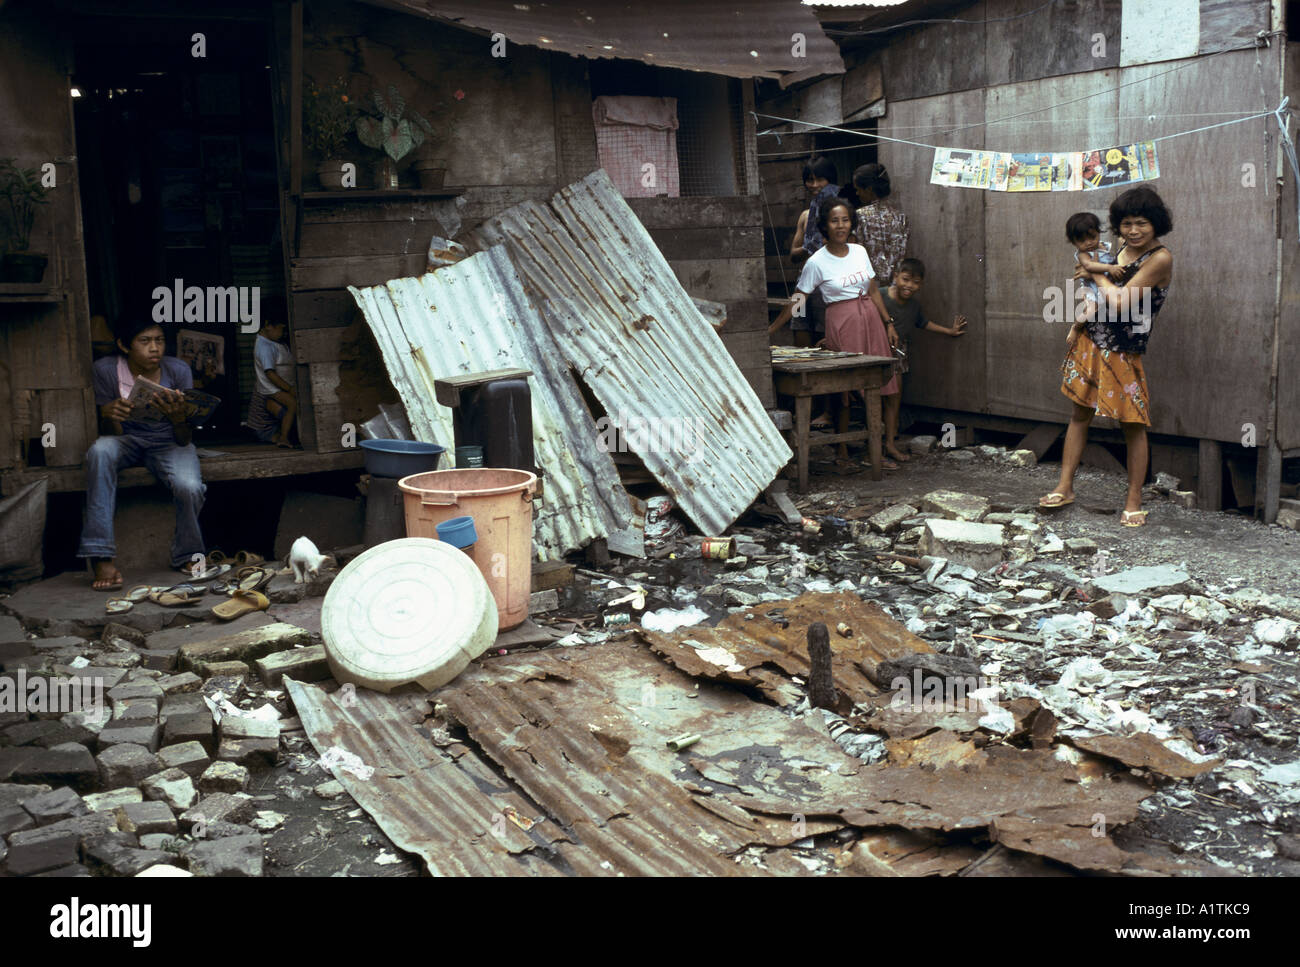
{"points": [[738, 38], [625, 324], [473, 316]]}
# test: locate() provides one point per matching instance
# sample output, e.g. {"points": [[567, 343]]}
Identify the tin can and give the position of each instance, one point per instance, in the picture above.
{"points": [[720, 548], [616, 618]]}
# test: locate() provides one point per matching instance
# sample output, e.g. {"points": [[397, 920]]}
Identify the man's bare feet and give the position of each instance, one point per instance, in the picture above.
{"points": [[897, 454], [107, 576]]}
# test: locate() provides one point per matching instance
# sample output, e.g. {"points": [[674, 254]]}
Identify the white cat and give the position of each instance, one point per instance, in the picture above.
{"points": [[305, 560]]}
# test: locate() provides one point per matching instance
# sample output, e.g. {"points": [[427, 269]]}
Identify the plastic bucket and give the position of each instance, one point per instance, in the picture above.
{"points": [[458, 532], [501, 503], [469, 458], [400, 458]]}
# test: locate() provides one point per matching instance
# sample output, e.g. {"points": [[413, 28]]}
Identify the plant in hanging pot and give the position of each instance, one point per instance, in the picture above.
{"points": [[393, 130], [23, 193], [327, 120]]}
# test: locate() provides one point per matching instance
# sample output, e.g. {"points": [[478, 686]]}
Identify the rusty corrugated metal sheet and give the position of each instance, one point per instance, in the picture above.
{"points": [[474, 316], [625, 324], [766, 646], [737, 38]]}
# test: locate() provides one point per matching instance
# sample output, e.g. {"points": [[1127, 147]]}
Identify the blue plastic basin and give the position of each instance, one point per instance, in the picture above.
{"points": [[458, 532], [400, 458]]}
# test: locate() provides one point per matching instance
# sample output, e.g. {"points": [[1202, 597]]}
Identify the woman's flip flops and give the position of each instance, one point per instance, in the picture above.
{"points": [[1055, 499]]}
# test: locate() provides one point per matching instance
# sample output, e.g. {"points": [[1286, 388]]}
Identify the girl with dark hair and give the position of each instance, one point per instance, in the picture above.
{"points": [[1103, 371], [841, 271]]}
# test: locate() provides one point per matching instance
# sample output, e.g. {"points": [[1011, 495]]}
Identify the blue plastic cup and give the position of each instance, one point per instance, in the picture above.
{"points": [[458, 532]]}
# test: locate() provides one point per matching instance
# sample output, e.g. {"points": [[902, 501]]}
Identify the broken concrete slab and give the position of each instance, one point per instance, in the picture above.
{"points": [[1147, 579], [68, 764], [891, 517], [117, 858], [65, 605], [974, 545], [243, 646], [225, 777], [191, 727], [126, 765], [143, 818], [232, 856], [190, 757], [252, 753], [180, 684], [36, 850], [101, 802], [219, 807], [953, 505], [171, 786], [50, 807], [130, 732], [302, 664]]}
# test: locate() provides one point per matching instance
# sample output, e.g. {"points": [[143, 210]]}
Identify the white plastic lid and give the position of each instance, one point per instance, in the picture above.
{"points": [[410, 610]]}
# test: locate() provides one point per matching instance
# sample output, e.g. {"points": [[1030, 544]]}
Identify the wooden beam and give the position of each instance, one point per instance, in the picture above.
{"points": [[249, 463], [1209, 476], [1268, 482], [447, 391], [1040, 438]]}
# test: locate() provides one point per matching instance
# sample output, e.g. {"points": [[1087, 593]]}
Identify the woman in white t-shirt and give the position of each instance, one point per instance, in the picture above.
{"points": [[856, 318]]}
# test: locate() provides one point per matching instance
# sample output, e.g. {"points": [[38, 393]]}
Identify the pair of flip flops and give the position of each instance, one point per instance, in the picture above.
{"points": [[176, 596], [252, 578]]}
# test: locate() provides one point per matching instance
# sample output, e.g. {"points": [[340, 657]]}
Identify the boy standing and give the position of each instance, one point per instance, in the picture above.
{"points": [[274, 405], [163, 447], [900, 300]]}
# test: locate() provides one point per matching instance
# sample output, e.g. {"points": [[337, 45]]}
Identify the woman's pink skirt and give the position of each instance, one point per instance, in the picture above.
{"points": [[855, 326]]}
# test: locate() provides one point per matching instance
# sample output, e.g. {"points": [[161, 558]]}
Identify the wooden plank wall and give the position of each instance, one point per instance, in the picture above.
{"points": [[44, 347], [715, 248], [1208, 367]]}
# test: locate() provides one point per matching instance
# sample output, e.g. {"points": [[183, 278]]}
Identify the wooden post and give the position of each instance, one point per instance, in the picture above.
{"points": [[821, 683], [1209, 476], [1268, 481]]}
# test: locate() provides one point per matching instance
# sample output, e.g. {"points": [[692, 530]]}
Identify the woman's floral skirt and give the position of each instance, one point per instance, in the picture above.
{"points": [[1111, 383]]}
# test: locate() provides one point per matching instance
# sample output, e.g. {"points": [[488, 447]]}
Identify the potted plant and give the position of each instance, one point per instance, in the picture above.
{"points": [[22, 192], [327, 118], [393, 130]]}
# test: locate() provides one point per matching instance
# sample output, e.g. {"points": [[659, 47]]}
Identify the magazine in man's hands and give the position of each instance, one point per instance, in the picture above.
{"points": [[145, 394]]}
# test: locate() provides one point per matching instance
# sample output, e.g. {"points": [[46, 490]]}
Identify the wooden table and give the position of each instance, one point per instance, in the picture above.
{"points": [[805, 378]]}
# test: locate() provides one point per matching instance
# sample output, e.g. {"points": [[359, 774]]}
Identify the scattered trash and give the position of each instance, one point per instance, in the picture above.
{"points": [[336, 760], [682, 741], [667, 620]]}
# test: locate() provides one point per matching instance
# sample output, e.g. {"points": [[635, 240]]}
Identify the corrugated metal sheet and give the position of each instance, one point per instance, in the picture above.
{"points": [[471, 317], [627, 327], [738, 38]]}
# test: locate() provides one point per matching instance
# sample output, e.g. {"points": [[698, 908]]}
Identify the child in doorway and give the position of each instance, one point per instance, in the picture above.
{"points": [[274, 405], [900, 300]]}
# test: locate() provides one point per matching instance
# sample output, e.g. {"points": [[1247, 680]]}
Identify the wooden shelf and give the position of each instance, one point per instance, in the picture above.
{"points": [[30, 292], [367, 194]]}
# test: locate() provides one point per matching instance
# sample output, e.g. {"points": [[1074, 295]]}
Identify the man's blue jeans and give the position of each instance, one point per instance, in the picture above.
{"points": [[177, 467]]}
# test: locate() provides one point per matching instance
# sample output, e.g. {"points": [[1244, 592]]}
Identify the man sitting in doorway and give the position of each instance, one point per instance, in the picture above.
{"points": [[164, 447]]}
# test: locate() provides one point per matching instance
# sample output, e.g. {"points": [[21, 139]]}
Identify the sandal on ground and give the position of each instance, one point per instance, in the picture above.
{"points": [[240, 604], [215, 571], [112, 583], [118, 606], [253, 578], [141, 592], [1133, 518], [248, 557], [1055, 499], [217, 557], [885, 463], [172, 599], [901, 458]]}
